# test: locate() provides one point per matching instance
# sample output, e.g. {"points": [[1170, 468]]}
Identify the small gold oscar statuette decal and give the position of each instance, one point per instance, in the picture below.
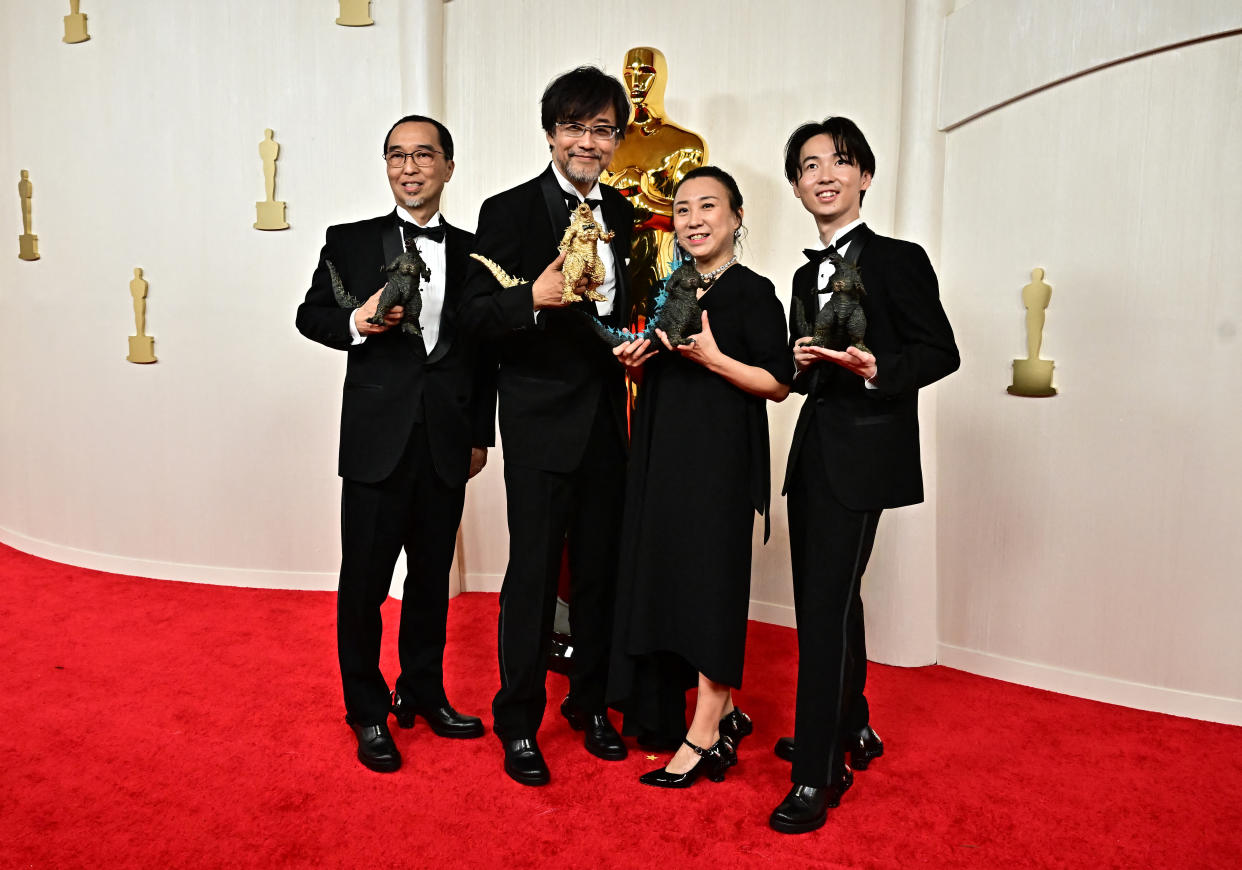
{"points": [[270, 213], [75, 24], [141, 346], [355, 13], [28, 241], [1033, 376]]}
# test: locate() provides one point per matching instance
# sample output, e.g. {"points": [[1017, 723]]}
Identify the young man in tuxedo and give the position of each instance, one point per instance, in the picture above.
{"points": [[855, 452], [562, 419], [416, 421]]}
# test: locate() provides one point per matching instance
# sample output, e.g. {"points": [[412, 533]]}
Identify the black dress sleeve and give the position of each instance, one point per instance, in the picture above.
{"points": [[766, 338]]}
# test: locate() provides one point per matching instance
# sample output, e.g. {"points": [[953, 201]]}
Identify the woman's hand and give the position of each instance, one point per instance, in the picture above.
{"points": [[702, 347]]}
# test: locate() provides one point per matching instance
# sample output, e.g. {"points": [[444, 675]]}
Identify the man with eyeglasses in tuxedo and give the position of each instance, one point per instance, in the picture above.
{"points": [[562, 419], [416, 420]]}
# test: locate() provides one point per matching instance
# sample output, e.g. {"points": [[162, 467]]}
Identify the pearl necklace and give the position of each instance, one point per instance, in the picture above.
{"points": [[711, 276]]}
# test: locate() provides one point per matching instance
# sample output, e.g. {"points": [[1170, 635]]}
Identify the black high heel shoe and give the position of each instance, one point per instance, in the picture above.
{"points": [[711, 764], [733, 728]]}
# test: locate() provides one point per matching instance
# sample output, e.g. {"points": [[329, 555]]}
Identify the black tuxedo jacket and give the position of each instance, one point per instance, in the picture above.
{"points": [[552, 367], [870, 438], [390, 380]]}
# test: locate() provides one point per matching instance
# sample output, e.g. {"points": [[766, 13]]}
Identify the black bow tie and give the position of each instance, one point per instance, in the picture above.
{"points": [[412, 231], [819, 256], [572, 201]]}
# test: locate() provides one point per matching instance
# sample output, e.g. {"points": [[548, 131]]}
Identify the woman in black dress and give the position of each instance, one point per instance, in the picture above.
{"points": [[698, 472]]}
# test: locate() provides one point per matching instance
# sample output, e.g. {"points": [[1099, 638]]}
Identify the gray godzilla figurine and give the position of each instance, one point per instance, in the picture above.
{"points": [[676, 311], [404, 274], [842, 321]]}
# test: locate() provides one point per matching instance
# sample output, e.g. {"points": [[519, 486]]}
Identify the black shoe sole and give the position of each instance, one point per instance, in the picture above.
{"points": [[525, 778], [606, 753], [380, 766], [797, 827]]}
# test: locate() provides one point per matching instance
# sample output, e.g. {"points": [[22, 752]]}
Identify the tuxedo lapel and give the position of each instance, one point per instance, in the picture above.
{"points": [[391, 239], [859, 240], [554, 200]]}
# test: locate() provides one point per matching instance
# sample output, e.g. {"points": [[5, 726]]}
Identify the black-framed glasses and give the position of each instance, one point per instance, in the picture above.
{"points": [[577, 131], [421, 156]]}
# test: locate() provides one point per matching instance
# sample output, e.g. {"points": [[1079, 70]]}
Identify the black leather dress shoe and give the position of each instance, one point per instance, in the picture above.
{"points": [[600, 739], [376, 749], [444, 721], [524, 762], [863, 748], [805, 808]]}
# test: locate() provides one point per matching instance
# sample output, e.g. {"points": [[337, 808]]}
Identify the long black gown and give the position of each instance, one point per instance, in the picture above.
{"points": [[698, 471]]}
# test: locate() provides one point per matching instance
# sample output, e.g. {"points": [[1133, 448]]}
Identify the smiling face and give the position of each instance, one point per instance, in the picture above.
{"points": [[828, 185], [415, 187], [582, 160], [704, 222]]}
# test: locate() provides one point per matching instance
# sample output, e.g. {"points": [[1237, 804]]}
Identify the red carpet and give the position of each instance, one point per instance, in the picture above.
{"points": [[159, 724]]}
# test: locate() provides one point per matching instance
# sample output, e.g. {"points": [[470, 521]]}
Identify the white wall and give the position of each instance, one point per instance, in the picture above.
{"points": [[218, 462], [1088, 542]]}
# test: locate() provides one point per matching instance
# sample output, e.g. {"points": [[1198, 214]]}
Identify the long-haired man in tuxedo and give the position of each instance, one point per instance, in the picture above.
{"points": [[562, 419], [855, 452], [416, 419]]}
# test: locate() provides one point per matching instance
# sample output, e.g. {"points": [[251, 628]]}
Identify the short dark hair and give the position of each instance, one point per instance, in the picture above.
{"points": [[846, 138], [446, 138], [583, 93]]}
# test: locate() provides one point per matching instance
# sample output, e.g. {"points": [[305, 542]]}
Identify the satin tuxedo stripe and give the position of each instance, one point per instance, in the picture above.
{"points": [[855, 452]]}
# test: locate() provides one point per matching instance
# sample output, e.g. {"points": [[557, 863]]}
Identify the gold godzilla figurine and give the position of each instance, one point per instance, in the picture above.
{"points": [[582, 255]]}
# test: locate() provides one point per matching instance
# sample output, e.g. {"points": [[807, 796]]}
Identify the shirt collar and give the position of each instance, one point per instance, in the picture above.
{"points": [[839, 233], [568, 187]]}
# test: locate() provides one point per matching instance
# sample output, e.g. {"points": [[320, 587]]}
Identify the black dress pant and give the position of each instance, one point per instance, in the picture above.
{"points": [[546, 509], [414, 509], [829, 547]]}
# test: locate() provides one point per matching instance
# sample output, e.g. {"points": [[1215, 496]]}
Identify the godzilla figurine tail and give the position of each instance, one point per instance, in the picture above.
{"points": [[343, 298], [505, 279]]}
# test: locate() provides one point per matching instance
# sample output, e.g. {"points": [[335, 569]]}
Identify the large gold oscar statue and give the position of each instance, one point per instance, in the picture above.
{"points": [[651, 159]]}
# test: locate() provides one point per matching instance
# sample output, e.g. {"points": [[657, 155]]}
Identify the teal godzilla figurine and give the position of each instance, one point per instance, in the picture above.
{"points": [[841, 322], [676, 311]]}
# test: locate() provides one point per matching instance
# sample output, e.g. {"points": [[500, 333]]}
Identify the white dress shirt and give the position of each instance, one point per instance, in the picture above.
{"points": [[434, 256]]}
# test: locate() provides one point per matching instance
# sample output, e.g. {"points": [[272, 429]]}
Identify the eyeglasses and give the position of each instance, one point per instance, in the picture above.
{"points": [[577, 131], [422, 157]]}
